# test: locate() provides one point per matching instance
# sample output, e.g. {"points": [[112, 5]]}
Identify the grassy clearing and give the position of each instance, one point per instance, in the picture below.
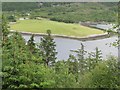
{"points": [[40, 26]]}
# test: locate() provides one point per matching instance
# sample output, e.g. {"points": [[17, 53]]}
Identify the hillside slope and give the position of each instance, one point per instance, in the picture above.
{"points": [[68, 12]]}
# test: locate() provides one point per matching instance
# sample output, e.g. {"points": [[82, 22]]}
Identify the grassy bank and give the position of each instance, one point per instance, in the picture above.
{"points": [[40, 26]]}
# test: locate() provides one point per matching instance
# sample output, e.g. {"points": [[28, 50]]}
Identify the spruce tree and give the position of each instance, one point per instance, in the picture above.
{"points": [[80, 58], [73, 65], [31, 44], [14, 55], [5, 30], [98, 54], [48, 50], [94, 58]]}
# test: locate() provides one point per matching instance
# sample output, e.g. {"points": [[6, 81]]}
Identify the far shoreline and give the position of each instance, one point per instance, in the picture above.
{"points": [[85, 38]]}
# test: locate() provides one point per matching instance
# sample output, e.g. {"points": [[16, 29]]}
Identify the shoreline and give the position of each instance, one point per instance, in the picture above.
{"points": [[85, 38]]}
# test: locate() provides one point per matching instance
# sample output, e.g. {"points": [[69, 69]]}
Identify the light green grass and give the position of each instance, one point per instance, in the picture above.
{"points": [[40, 26]]}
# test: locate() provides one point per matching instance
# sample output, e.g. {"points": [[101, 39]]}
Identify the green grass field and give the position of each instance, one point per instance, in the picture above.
{"points": [[40, 26]]}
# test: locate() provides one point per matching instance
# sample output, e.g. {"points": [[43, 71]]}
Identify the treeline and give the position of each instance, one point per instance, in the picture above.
{"points": [[79, 12], [25, 6], [31, 65], [68, 12], [19, 6]]}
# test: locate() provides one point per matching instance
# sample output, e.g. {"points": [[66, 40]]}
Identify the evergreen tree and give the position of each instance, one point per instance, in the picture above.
{"points": [[14, 55], [98, 54], [48, 50], [73, 66], [94, 58], [80, 58], [5, 30], [31, 44]]}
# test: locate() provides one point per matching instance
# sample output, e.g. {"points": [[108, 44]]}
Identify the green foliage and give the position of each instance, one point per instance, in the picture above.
{"points": [[94, 58], [31, 44], [14, 54], [76, 12], [73, 64], [98, 54], [67, 12], [80, 59], [48, 51], [104, 75], [36, 76], [64, 78], [19, 6], [5, 30], [12, 18], [19, 71], [22, 68]]}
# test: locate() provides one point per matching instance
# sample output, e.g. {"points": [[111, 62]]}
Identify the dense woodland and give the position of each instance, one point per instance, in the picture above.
{"points": [[31, 65], [35, 65], [65, 12]]}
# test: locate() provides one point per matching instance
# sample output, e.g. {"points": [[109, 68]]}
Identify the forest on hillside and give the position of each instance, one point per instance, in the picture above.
{"points": [[66, 12], [31, 65], [34, 65]]}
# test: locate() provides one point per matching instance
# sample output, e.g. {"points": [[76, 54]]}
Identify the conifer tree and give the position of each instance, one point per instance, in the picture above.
{"points": [[14, 55], [94, 58], [80, 58], [5, 30], [31, 44], [98, 54], [48, 50], [73, 64]]}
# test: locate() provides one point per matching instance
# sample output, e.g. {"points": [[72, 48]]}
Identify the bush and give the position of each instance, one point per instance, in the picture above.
{"points": [[105, 75]]}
